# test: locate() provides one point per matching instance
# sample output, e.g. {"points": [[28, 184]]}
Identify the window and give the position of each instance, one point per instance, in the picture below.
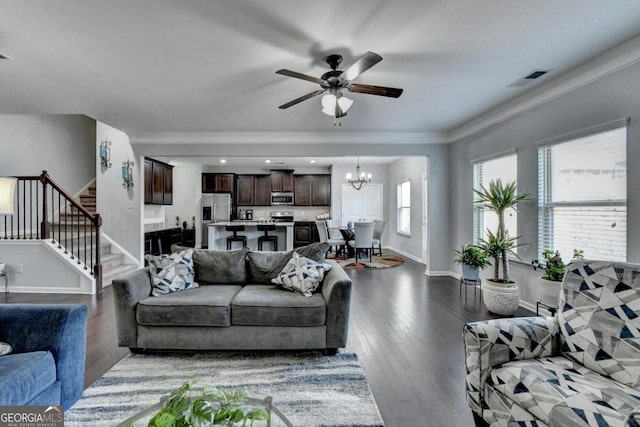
{"points": [[582, 196], [504, 168], [404, 208]]}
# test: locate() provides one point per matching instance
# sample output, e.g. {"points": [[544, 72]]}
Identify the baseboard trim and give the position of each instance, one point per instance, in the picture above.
{"points": [[442, 274], [405, 254]]}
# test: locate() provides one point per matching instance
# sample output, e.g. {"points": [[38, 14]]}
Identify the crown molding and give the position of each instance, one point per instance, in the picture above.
{"points": [[614, 60], [286, 138]]}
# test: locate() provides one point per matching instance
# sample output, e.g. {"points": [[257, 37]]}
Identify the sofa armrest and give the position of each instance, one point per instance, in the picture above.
{"points": [[336, 290], [494, 342], [58, 328], [127, 292]]}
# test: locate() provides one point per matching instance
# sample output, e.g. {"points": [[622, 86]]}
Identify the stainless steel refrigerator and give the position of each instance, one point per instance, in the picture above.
{"points": [[215, 208]]}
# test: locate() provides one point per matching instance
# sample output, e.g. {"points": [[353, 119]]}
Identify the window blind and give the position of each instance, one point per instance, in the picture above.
{"points": [[582, 189]]}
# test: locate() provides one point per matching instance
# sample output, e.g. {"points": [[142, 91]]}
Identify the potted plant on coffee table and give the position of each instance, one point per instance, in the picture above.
{"points": [[473, 259], [554, 269], [500, 293]]}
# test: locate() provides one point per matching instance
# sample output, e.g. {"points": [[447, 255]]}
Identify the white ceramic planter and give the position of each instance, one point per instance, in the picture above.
{"points": [[501, 298], [549, 291]]}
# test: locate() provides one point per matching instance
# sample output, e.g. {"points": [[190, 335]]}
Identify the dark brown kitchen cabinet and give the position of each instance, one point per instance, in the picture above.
{"points": [[282, 181], [321, 190], [253, 190], [245, 190], [158, 182], [160, 241], [304, 233], [302, 190], [217, 182], [312, 190], [262, 190], [148, 182]]}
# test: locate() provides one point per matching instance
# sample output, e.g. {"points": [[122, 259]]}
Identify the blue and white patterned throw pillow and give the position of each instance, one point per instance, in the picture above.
{"points": [[172, 273], [301, 275]]}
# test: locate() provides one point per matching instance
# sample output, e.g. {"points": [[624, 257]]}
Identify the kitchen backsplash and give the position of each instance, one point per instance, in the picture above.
{"points": [[300, 213]]}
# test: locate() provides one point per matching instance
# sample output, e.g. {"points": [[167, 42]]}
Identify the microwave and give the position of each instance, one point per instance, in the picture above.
{"points": [[281, 199]]}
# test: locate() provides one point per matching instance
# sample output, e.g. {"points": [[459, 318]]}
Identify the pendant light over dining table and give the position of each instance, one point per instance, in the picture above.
{"points": [[360, 179]]}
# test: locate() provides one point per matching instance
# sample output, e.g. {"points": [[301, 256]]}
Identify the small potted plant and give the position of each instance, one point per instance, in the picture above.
{"points": [[473, 259], [554, 269]]}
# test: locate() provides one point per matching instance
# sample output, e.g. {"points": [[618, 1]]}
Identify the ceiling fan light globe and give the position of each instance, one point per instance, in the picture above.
{"points": [[345, 103]]}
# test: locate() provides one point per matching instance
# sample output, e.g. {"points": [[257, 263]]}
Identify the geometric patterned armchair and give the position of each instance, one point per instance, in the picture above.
{"points": [[581, 368]]}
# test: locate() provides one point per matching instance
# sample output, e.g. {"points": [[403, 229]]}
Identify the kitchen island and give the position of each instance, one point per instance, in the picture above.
{"points": [[218, 235]]}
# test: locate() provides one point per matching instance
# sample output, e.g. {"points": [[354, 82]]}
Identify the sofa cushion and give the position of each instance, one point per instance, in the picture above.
{"points": [[314, 251], [220, 267], [560, 391], [204, 306], [270, 305], [265, 265], [171, 273], [301, 275], [24, 376], [599, 318]]}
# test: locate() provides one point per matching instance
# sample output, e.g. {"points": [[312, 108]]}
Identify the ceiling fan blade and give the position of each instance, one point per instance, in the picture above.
{"points": [[302, 98], [361, 65], [297, 75], [391, 92]]}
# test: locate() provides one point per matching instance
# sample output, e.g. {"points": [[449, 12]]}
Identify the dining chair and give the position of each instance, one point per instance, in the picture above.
{"points": [[363, 238], [378, 228], [324, 235]]}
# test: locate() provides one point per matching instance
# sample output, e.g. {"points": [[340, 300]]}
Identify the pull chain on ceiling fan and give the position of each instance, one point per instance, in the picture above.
{"points": [[334, 103]]}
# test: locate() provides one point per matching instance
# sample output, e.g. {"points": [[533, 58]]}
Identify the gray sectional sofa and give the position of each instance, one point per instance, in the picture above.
{"points": [[235, 307]]}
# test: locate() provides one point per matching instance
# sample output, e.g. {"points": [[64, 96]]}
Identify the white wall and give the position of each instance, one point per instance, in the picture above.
{"points": [[63, 145], [43, 270], [186, 195], [121, 210], [412, 169], [610, 98]]}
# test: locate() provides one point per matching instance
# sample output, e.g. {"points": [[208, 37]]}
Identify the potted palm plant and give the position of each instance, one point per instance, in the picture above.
{"points": [[500, 292], [554, 269], [473, 259]]}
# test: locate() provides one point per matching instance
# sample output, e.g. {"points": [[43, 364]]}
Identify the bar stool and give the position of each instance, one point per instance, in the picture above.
{"points": [[235, 237], [266, 238]]}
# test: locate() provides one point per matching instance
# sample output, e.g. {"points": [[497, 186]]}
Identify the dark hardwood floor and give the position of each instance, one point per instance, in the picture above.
{"points": [[405, 327]]}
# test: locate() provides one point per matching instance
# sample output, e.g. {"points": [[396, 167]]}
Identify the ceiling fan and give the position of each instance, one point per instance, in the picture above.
{"points": [[334, 81]]}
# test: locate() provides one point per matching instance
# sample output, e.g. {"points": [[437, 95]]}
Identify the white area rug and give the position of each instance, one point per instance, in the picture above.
{"points": [[311, 389]]}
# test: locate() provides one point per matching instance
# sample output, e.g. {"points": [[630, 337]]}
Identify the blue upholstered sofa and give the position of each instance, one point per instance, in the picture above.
{"points": [[46, 366], [581, 368]]}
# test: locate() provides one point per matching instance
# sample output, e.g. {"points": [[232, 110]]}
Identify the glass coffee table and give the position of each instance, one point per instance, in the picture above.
{"points": [[142, 417]]}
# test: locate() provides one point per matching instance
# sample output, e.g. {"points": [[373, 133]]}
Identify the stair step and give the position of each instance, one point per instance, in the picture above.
{"points": [[90, 207], [109, 274], [111, 260]]}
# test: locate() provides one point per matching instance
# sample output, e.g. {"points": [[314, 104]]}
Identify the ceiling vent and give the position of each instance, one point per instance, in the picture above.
{"points": [[535, 74]]}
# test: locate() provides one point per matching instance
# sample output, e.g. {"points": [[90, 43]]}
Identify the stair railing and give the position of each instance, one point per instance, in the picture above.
{"points": [[38, 202]]}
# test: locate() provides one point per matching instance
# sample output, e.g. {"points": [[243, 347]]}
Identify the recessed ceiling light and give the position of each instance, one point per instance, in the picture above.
{"points": [[312, 161], [223, 161], [267, 161]]}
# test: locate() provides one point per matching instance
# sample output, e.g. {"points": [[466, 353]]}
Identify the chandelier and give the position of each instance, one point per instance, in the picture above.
{"points": [[360, 179]]}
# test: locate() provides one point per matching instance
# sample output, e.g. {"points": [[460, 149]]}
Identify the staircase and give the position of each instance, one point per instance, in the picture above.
{"points": [[113, 263]]}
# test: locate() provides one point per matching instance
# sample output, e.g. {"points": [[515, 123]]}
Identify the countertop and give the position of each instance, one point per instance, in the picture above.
{"points": [[149, 228], [249, 223]]}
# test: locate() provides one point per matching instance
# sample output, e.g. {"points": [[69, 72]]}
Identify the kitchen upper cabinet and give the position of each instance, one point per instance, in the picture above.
{"points": [[282, 181], [302, 190], [253, 190], [312, 190], [245, 190], [262, 190], [158, 182], [321, 190], [217, 182], [148, 182]]}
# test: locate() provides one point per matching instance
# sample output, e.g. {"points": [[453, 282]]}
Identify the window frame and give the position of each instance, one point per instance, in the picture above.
{"points": [[478, 227], [401, 208]]}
